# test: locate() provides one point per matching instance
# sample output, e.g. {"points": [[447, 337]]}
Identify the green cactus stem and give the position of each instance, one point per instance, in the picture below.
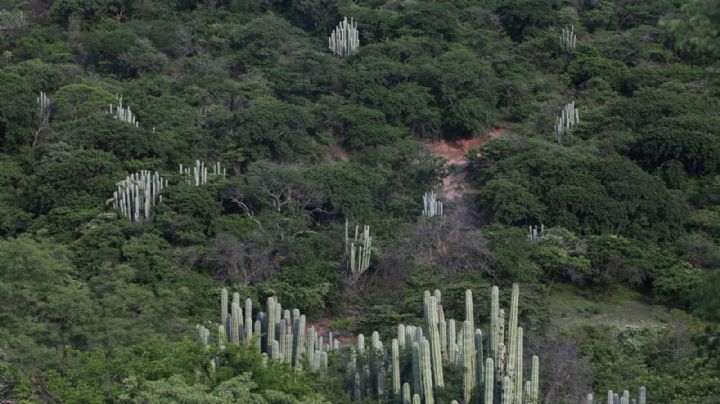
{"points": [[427, 373], [489, 381], [395, 368]]}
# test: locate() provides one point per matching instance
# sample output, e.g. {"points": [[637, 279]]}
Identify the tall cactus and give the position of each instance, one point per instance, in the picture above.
{"points": [[431, 206], [137, 193], [615, 398], [536, 234], [395, 368], [123, 114], [358, 250], [345, 39], [270, 327], [468, 356], [406, 397], [535, 380], [568, 38], [519, 367], [569, 116], [199, 174], [507, 394], [452, 345], [44, 110], [494, 319], [489, 381], [427, 382], [285, 339], [248, 321]]}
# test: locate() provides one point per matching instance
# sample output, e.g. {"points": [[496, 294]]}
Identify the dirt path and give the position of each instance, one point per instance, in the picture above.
{"points": [[455, 152]]}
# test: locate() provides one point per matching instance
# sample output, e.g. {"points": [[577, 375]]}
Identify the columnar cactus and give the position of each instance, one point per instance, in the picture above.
{"points": [[567, 38], [286, 340], [416, 370], [535, 380], [519, 367], [358, 250], [568, 117], [431, 322], [345, 39], [431, 206], [468, 355], [536, 234], [44, 110], [489, 381], [406, 398], [494, 326], [395, 368], [137, 193], [512, 332], [270, 328], [615, 398], [198, 174], [427, 381], [507, 394], [237, 329], [248, 321], [452, 344], [223, 306], [123, 114]]}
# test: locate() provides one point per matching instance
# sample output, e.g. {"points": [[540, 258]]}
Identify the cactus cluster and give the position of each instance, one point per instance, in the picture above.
{"points": [[493, 374], [44, 108], [137, 193], [615, 398], [358, 250], [431, 206], [344, 40], [123, 114], [535, 233], [568, 117], [568, 38], [281, 335], [198, 174]]}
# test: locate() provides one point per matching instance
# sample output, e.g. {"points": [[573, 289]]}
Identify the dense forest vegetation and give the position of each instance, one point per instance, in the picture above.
{"points": [[610, 223]]}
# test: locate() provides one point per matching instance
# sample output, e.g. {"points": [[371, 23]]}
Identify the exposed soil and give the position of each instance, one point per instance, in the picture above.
{"points": [[455, 152], [336, 153]]}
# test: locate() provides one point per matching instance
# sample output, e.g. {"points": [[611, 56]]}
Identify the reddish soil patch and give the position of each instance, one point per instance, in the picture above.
{"points": [[322, 326], [455, 152]]}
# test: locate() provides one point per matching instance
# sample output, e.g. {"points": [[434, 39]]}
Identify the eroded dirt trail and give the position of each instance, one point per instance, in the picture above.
{"points": [[455, 152]]}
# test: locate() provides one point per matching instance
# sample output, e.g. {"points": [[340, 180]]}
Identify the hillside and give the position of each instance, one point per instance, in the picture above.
{"points": [[325, 169]]}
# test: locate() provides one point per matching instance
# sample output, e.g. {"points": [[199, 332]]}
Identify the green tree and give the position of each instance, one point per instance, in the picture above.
{"points": [[75, 101], [17, 107], [45, 304]]}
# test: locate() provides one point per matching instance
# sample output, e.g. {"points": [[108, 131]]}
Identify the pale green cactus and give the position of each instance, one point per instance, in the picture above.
{"points": [[198, 174], [568, 39], [345, 39], [427, 373], [137, 193], [431, 206], [395, 368], [535, 380], [507, 394], [248, 321], [406, 398], [489, 381], [468, 356], [358, 250]]}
